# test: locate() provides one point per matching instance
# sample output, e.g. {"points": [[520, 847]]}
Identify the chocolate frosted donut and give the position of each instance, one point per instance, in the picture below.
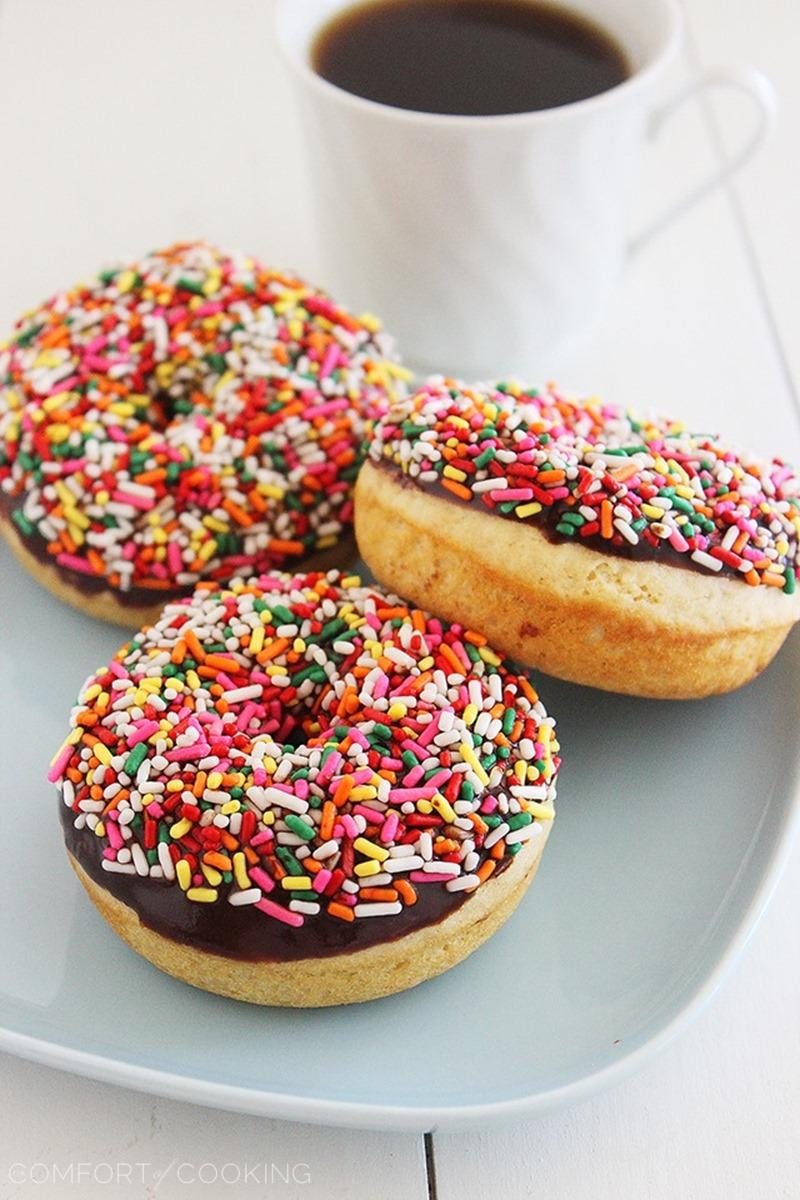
{"points": [[618, 552], [193, 415], [299, 790]]}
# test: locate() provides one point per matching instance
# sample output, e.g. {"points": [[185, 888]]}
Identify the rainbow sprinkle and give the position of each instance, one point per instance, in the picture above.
{"points": [[597, 475], [309, 746], [194, 414]]}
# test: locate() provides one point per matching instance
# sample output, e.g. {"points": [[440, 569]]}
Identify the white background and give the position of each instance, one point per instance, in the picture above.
{"points": [[124, 125]]}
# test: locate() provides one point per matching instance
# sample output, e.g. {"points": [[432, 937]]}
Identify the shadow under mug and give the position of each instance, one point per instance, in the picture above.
{"points": [[486, 243]]}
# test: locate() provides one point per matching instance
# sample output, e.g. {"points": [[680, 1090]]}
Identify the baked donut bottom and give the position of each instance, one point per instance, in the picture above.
{"points": [[347, 978], [107, 604], [640, 627]]}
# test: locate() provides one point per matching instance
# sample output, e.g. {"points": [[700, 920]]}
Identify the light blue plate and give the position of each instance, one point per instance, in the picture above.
{"points": [[673, 823]]}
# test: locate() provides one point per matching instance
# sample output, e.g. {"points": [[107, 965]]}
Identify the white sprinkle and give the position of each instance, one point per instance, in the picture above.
{"points": [[463, 884], [248, 896], [378, 910], [251, 692], [705, 560]]}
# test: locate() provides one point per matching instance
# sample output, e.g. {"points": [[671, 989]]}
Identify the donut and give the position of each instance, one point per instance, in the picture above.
{"points": [[622, 553], [298, 790], [194, 414]]}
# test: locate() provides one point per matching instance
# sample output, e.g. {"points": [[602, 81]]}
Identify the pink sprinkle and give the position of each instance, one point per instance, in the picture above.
{"points": [[678, 541], [113, 834], [279, 913], [186, 753], [432, 876], [142, 731], [143, 503], [73, 563], [411, 794], [331, 763], [266, 835], [501, 494], [321, 880], [58, 767], [260, 878], [350, 827], [389, 828]]}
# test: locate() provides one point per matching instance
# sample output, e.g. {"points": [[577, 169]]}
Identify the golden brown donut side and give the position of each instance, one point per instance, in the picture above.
{"points": [[637, 627], [349, 978]]}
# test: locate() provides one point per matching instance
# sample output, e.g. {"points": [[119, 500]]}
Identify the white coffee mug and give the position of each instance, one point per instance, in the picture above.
{"points": [[487, 243]]}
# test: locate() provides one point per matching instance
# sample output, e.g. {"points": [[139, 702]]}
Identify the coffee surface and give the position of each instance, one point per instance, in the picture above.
{"points": [[468, 57]]}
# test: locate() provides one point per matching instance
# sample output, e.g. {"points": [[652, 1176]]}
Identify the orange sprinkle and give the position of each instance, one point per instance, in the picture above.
{"points": [[406, 892], [341, 910], [486, 869], [606, 524], [457, 489]]}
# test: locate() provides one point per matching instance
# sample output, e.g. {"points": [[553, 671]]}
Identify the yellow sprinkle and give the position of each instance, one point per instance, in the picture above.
{"points": [[396, 711], [231, 807], [240, 871], [125, 281], [213, 876], [100, 829], [180, 828], [207, 551], [454, 473], [183, 874], [351, 581], [214, 524], [214, 779], [363, 791], [655, 514], [528, 510], [489, 656], [442, 806], [367, 868], [369, 848], [90, 693], [102, 753], [543, 811], [425, 664], [470, 713], [193, 680], [53, 402], [203, 895], [296, 883], [425, 807], [271, 491], [471, 758], [257, 639], [268, 818]]}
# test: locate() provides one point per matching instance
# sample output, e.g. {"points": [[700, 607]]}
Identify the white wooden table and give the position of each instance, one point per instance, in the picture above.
{"points": [[127, 124]]}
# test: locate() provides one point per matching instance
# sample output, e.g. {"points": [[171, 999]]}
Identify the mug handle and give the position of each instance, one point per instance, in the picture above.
{"points": [[743, 78]]}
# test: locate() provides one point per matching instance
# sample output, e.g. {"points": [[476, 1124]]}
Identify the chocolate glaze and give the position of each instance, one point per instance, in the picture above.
{"points": [[547, 519], [244, 932]]}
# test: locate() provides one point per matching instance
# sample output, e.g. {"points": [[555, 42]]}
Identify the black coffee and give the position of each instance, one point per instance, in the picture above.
{"points": [[473, 57]]}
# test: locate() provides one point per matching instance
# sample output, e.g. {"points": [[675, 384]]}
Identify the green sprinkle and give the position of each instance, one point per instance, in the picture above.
{"points": [[135, 759], [300, 827]]}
